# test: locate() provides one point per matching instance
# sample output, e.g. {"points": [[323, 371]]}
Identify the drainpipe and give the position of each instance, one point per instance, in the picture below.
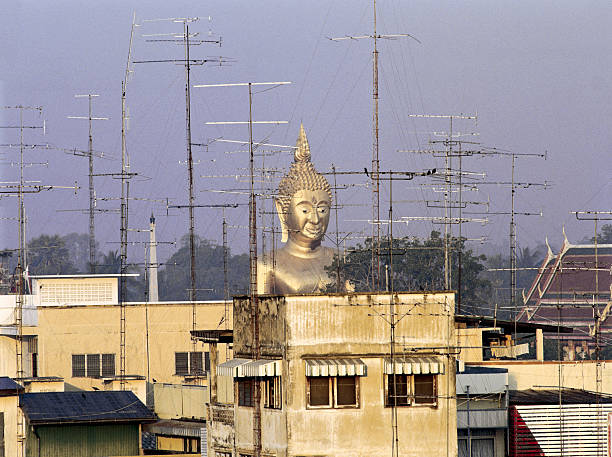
{"points": [[469, 432]]}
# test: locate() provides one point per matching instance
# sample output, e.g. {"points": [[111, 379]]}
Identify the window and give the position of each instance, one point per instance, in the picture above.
{"points": [[93, 365], [223, 454], [332, 392], [397, 390], [191, 363], [407, 390], [78, 365], [272, 393], [181, 363], [108, 365], [246, 391], [481, 443], [88, 365], [424, 389]]}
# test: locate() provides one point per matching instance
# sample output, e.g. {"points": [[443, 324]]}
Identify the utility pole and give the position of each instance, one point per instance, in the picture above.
{"points": [[375, 262], [92, 194]]}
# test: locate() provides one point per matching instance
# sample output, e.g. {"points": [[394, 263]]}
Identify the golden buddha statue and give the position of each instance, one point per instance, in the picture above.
{"points": [[303, 203]]}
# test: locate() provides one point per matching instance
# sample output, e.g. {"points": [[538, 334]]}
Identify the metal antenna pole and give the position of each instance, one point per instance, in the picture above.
{"points": [[512, 243], [254, 301], [92, 194], [447, 196], [375, 262], [253, 281], [192, 294], [125, 192], [375, 168], [337, 233], [21, 256]]}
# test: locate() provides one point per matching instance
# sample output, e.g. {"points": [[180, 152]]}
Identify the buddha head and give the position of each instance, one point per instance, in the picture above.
{"points": [[304, 199]]}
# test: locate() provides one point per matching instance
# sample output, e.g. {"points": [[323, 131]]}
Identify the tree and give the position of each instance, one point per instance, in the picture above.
{"points": [[175, 276], [417, 265], [78, 247], [48, 255], [110, 263], [604, 236]]}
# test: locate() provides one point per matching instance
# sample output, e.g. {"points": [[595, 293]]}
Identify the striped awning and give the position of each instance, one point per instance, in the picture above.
{"points": [[335, 367], [242, 368], [231, 367], [413, 365], [262, 368]]}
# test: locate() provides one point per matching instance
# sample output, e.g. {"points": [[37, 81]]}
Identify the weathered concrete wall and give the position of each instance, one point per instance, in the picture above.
{"points": [[220, 428], [272, 336]]}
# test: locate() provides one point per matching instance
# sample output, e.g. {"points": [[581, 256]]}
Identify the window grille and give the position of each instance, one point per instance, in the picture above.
{"points": [[108, 365], [78, 365]]}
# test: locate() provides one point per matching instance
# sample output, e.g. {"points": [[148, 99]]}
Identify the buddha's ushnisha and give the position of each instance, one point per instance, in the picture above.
{"points": [[302, 204]]}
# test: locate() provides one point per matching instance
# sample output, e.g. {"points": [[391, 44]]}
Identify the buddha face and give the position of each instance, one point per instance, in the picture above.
{"points": [[308, 216]]}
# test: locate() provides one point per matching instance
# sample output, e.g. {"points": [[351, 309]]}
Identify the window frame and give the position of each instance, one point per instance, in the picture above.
{"points": [[91, 369], [197, 363], [272, 383], [411, 391], [333, 393], [240, 393], [78, 365], [93, 365]]}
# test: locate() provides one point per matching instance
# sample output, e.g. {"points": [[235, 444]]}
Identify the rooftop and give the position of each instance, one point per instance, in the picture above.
{"points": [[84, 407]]}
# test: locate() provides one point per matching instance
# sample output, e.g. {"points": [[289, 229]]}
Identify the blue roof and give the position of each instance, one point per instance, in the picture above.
{"points": [[8, 386], [84, 406]]}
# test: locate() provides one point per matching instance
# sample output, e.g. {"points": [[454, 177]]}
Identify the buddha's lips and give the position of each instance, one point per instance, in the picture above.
{"points": [[314, 232]]}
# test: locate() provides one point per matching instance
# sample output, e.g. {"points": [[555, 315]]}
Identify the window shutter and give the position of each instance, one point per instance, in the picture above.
{"points": [[93, 365], [181, 363], [108, 365], [78, 365], [196, 362]]}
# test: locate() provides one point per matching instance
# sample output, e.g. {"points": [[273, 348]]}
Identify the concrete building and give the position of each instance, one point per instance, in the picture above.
{"points": [[328, 382]]}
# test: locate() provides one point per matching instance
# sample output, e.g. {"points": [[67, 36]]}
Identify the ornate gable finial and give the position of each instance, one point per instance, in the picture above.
{"points": [[302, 153]]}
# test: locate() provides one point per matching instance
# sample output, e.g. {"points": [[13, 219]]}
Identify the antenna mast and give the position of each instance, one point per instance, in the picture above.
{"points": [[375, 262], [92, 194], [125, 193]]}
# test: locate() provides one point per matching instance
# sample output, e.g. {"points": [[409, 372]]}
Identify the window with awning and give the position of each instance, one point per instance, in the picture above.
{"points": [[249, 368], [413, 365], [335, 367]]}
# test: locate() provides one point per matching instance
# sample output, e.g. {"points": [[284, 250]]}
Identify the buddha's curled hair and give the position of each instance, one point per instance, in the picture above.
{"points": [[301, 176]]}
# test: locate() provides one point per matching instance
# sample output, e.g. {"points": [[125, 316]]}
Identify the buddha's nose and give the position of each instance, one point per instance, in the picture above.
{"points": [[314, 217]]}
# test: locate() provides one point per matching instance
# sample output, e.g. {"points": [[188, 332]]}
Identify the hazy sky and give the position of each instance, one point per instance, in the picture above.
{"points": [[537, 73]]}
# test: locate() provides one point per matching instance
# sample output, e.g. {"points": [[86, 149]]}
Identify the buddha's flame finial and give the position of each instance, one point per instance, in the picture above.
{"points": [[302, 153]]}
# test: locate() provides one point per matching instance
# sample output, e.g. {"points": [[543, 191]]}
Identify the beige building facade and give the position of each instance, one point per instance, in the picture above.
{"points": [[329, 386]]}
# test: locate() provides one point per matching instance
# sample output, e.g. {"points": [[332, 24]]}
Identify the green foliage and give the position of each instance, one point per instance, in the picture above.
{"points": [[604, 236], [175, 276], [48, 255], [417, 265], [526, 260]]}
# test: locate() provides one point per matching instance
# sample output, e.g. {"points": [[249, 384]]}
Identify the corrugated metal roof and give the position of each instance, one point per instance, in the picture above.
{"points": [[8, 386], [551, 397], [84, 406]]}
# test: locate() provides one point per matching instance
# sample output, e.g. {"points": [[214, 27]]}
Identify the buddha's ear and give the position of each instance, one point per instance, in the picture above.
{"points": [[283, 220]]}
